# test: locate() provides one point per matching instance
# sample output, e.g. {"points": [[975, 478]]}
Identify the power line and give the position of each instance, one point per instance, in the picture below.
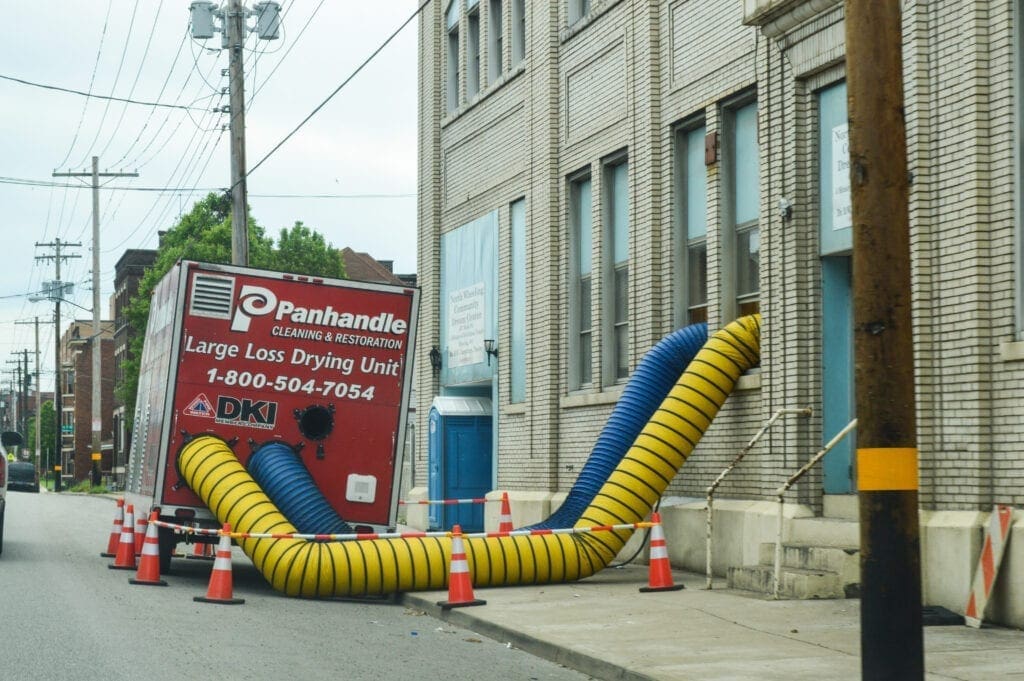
{"points": [[159, 95], [138, 73], [336, 90], [92, 79], [117, 77], [181, 189], [107, 97]]}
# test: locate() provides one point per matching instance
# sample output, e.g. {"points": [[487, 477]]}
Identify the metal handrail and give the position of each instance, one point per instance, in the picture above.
{"points": [[793, 479], [806, 411]]}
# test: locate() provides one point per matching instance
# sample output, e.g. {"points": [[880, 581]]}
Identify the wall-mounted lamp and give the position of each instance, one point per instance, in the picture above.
{"points": [[491, 348], [435, 360]]}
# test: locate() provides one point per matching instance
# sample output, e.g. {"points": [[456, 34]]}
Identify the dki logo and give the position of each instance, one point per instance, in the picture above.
{"points": [[253, 301], [245, 412]]}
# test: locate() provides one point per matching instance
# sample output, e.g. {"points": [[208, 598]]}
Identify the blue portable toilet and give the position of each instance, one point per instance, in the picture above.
{"points": [[459, 460]]}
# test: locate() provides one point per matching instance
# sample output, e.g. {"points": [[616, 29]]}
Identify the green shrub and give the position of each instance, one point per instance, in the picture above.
{"points": [[86, 487]]}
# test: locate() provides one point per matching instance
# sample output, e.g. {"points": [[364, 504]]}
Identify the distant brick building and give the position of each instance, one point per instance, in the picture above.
{"points": [[76, 398], [128, 272]]}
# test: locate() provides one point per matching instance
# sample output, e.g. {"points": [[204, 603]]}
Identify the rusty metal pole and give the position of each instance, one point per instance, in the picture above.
{"points": [[892, 645]]}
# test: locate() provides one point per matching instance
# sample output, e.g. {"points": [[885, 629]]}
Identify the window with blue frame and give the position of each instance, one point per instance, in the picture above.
{"points": [[615, 291], [691, 225], [743, 174], [580, 261]]}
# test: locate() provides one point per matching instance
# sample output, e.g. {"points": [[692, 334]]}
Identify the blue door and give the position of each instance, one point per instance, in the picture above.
{"points": [[836, 244], [467, 469], [837, 371], [435, 481]]}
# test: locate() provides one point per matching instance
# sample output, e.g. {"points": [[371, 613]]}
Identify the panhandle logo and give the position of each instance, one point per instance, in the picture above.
{"points": [[248, 413], [199, 406], [253, 301], [257, 301]]}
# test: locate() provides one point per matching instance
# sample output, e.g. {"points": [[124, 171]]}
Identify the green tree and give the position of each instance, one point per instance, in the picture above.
{"points": [[303, 251], [204, 234]]}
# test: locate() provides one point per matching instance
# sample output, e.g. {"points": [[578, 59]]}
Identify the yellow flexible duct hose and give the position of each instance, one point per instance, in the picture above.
{"points": [[299, 567]]}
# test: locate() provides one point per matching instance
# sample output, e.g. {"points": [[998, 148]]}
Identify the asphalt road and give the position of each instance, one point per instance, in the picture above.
{"points": [[65, 615]]}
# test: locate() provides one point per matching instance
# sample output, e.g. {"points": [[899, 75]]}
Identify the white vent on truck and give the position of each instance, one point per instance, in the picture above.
{"points": [[211, 296]]}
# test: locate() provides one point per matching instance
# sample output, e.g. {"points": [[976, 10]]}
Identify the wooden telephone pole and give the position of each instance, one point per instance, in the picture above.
{"points": [[96, 340], [892, 645], [56, 293]]}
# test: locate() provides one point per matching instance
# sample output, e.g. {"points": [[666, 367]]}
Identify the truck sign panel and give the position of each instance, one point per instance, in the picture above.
{"points": [[320, 364]]}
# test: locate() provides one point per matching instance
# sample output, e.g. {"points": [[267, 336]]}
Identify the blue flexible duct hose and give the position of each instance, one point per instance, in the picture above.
{"points": [[283, 477], [652, 380]]}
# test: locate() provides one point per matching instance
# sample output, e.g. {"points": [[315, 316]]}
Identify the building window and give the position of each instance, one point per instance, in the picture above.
{"points": [[580, 258], [743, 205], [691, 210], [472, 48], [517, 322], [615, 292], [495, 44], [452, 25], [518, 31], [577, 10]]}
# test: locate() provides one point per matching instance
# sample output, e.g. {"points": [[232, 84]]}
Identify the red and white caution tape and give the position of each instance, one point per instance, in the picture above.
{"points": [[444, 502], [362, 536]]}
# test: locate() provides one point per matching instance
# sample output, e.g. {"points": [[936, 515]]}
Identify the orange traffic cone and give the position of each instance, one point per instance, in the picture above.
{"points": [[202, 551], [505, 518], [149, 565], [115, 531], [660, 578], [220, 587], [125, 559], [460, 586], [140, 533]]}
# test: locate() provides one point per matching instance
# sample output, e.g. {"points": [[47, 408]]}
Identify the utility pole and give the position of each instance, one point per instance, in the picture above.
{"points": [[234, 30], [234, 24], [892, 645], [39, 404], [39, 399], [28, 384], [21, 383], [56, 293], [97, 397]]}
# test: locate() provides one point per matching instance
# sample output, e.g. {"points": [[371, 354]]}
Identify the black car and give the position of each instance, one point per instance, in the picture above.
{"points": [[22, 475]]}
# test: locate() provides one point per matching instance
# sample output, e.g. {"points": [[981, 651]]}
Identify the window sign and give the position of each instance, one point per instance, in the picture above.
{"points": [[835, 213], [466, 326], [469, 301], [842, 208]]}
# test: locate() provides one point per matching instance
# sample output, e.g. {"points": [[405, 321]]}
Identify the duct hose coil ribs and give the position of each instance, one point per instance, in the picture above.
{"points": [[280, 472], [654, 376], [298, 567]]}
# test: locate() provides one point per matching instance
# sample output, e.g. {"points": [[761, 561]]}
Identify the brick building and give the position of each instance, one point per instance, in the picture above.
{"points": [[76, 398], [596, 173], [128, 272]]}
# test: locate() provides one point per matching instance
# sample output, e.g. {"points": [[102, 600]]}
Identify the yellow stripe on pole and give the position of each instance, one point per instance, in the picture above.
{"points": [[886, 468]]}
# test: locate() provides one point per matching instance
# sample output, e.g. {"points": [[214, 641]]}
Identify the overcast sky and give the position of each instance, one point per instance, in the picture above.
{"points": [[361, 145]]}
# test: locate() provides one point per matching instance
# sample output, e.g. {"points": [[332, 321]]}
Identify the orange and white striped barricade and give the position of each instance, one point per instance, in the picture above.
{"points": [[996, 534]]}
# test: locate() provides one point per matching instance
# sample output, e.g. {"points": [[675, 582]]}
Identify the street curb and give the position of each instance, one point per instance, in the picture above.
{"points": [[581, 662]]}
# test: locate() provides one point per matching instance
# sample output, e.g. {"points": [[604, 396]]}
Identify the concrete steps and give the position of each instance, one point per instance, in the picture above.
{"points": [[821, 560]]}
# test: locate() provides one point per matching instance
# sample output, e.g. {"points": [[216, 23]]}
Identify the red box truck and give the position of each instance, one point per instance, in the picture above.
{"points": [[255, 357]]}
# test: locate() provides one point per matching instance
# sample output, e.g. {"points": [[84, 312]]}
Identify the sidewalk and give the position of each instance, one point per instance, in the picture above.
{"points": [[603, 626]]}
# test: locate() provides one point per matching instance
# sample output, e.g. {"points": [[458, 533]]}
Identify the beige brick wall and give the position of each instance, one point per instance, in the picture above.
{"points": [[622, 79]]}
